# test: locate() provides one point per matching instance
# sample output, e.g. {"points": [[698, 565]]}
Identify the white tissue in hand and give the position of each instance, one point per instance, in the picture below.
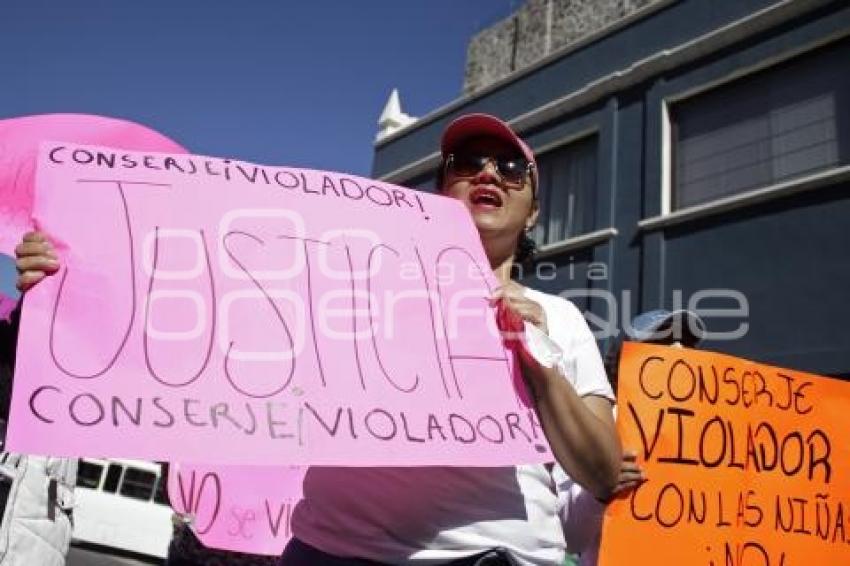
{"points": [[541, 347]]}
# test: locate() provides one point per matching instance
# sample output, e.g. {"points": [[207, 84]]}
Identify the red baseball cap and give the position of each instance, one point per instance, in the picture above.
{"points": [[479, 125]]}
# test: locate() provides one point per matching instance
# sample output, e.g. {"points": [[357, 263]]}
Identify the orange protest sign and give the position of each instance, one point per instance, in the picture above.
{"points": [[747, 464]]}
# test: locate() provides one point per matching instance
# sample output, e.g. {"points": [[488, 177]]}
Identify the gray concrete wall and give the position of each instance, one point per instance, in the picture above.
{"points": [[489, 56], [538, 28], [533, 36]]}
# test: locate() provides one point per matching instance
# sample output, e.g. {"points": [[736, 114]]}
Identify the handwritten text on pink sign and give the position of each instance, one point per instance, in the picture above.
{"points": [[306, 317], [240, 508]]}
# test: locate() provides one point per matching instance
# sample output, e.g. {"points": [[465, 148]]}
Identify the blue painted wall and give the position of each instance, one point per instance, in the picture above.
{"points": [[790, 257]]}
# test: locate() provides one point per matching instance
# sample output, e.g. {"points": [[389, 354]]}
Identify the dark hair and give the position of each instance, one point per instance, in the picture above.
{"points": [[526, 248], [441, 175]]}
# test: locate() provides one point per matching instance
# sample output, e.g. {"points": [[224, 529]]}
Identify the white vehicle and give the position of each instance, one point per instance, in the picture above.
{"points": [[120, 504]]}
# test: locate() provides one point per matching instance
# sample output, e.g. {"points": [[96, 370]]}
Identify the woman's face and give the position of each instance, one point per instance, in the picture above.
{"points": [[497, 206]]}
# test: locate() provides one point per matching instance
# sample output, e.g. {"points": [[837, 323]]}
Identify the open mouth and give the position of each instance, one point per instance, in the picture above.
{"points": [[483, 196]]}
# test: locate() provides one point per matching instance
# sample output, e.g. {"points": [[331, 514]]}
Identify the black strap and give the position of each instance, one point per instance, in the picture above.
{"points": [[494, 557], [52, 498], [8, 343], [299, 553]]}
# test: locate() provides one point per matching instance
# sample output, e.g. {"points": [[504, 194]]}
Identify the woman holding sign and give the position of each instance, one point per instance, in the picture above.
{"points": [[457, 515]]}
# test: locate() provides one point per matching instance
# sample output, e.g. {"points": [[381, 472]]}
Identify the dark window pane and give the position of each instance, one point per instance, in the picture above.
{"points": [[567, 191], [785, 122], [88, 474], [159, 494], [113, 478], [138, 484]]}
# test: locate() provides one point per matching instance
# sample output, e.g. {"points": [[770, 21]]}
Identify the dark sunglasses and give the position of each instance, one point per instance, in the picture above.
{"points": [[512, 170]]}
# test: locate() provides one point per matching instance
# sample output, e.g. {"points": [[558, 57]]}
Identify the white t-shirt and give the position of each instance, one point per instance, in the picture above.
{"points": [[429, 515], [581, 517]]}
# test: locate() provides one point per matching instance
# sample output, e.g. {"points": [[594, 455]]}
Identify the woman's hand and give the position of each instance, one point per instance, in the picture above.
{"points": [[513, 309], [512, 297], [35, 259], [631, 475]]}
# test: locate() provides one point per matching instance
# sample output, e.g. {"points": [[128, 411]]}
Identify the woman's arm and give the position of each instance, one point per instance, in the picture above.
{"points": [[580, 430], [35, 260]]}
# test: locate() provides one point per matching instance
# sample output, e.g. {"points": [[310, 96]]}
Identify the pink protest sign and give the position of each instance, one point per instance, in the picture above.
{"points": [[19, 142], [240, 508], [292, 316]]}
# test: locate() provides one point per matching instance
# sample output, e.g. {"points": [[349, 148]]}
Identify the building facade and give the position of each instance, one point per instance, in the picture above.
{"points": [[693, 153]]}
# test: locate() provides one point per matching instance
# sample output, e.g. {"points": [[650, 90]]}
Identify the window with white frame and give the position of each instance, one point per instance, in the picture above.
{"points": [[138, 483], [773, 126], [567, 191], [89, 474]]}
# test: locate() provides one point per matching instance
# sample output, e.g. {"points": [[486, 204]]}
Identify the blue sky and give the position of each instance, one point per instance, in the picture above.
{"points": [[269, 81]]}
